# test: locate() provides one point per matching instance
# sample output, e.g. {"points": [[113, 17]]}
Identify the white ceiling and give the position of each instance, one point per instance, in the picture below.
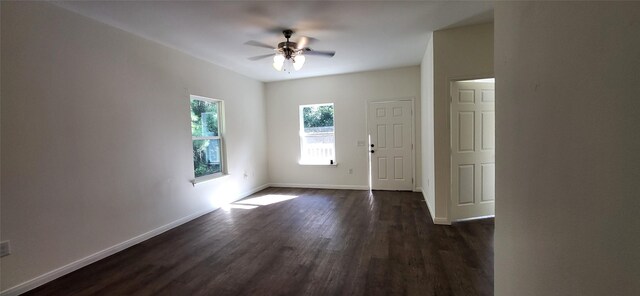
{"points": [[365, 35]]}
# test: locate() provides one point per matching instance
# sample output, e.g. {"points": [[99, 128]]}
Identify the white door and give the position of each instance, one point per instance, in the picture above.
{"points": [[472, 149], [390, 132]]}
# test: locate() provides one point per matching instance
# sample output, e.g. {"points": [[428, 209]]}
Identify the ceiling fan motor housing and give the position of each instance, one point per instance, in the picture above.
{"points": [[288, 48]]}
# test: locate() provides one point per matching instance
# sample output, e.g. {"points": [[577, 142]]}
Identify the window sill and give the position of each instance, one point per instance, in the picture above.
{"points": [[318, 164], [208, 178]]}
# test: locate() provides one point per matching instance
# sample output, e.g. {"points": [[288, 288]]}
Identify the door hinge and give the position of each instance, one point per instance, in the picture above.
{"points": [[411, 180]]}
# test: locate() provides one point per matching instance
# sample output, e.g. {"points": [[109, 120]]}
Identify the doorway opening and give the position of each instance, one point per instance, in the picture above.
{"points": [[472, 149]]}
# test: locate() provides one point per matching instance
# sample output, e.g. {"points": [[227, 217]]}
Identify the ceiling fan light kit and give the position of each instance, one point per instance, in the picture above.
{"points": [[284, 64], [290, 55]]}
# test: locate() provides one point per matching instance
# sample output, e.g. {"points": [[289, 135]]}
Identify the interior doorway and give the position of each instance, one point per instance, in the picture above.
{"points": [[472, 149], [390, 128]]}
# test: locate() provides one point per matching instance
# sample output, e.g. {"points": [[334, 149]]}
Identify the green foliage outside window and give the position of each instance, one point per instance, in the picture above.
{"points": [[205, 127], [207, 113], [203, 162], [317, 116]]}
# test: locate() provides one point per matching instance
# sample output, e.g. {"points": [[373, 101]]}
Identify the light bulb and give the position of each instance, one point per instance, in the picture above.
{"points": [[298, 62], [278, 59], [278, 62], [287, 65]]}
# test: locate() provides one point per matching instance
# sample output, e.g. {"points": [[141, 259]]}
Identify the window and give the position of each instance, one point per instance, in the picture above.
{"points": [[206, 135], [317, 134]]}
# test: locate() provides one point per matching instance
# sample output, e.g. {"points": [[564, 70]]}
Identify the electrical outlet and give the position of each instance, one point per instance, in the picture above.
{"points": [[5, 249]]}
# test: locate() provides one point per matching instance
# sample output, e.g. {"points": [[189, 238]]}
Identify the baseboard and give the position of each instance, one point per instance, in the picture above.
{"points": [[441, 221], [417, 189], [253, 190], [73, 266], [474, 218], [320, 186], [430, 207]]}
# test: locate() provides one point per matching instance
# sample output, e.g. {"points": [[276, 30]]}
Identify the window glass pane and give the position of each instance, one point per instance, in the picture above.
{"points": [[204, 118], [318, 118], [317, 135], [206, 157], [318, 148]]}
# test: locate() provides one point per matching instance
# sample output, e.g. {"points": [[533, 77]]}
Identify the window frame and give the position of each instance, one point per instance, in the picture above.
{"points": [[220, 136], [301, 134]]}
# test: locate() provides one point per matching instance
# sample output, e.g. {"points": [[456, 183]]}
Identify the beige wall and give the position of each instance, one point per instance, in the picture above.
{"points": [[459, 53], [568, 121], [426, 127], [96, 141], [349, 93]]}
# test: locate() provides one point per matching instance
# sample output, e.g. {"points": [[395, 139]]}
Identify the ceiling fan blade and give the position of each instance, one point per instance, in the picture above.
{"points": [[259, 44], [304, 41], [261, 57], [329, 54]]}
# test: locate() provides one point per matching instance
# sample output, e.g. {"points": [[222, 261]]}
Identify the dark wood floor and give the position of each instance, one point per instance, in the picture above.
{"points": [[324, 242]]}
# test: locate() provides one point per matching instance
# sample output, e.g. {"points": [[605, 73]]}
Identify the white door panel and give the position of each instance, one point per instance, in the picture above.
{"points": [[390, 130], [488, 171], [472, 149]]}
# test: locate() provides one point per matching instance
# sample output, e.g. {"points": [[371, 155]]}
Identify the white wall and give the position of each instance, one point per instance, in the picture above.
{"points": [[460, 53], [96, 142], [349, 93], [568, 121], [426, 126]]}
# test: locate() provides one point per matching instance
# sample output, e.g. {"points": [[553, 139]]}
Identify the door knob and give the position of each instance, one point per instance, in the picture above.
{"points": [[372, 151], [372, 145]]}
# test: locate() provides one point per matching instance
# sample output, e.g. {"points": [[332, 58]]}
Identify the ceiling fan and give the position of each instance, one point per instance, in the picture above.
{"points": [[289, 54]]}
